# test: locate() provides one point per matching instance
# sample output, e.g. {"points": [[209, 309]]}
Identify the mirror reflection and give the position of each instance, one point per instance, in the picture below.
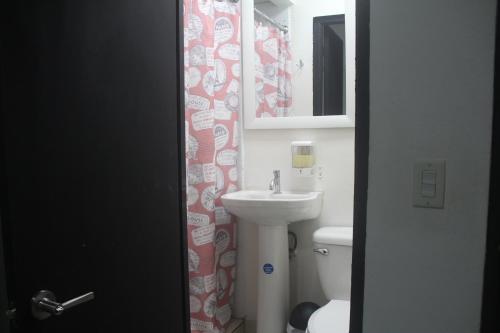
{"points": [[300, 58]]}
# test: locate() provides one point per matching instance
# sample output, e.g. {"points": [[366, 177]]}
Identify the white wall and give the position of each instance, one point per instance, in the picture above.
{"points": [[431, 81], [266, 150]]}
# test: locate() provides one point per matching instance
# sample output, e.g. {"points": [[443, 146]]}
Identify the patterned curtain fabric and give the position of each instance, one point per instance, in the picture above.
{"points": [[273, 72], [212, 77]]}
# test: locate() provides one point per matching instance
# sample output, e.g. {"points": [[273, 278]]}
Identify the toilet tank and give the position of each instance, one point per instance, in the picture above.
{"points": [[333, 252]]}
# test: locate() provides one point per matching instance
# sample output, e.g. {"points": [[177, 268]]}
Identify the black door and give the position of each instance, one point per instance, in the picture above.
{"points": [[91, 163], [491, 285]]}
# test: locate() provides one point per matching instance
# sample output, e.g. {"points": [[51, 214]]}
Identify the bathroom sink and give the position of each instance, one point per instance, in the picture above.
{"points": [[272, 212], [268, 208]]}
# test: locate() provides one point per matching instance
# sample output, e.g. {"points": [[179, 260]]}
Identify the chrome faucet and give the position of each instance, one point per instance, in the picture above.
{"points": [[275, 184]]}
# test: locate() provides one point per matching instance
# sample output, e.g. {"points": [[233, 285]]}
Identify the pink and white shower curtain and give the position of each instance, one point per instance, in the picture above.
{"points": [[273, 71], [212, 86]]}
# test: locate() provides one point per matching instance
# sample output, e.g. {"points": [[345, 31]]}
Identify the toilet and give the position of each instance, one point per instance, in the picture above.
{"points": [[333, 252]]}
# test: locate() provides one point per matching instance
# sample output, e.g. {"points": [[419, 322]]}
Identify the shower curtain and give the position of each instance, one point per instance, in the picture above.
{"points": [[212, 86], [273, 71]]}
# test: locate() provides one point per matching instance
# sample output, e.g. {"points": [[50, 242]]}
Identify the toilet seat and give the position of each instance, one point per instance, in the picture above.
{"points": [[331, 318]]}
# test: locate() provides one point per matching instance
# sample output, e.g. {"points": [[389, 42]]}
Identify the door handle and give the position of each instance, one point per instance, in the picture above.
{"points": [[44, 304], [323, 252]]}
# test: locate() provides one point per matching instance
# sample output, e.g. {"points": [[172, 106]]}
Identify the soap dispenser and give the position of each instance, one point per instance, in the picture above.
{"points": [[303, 158]]}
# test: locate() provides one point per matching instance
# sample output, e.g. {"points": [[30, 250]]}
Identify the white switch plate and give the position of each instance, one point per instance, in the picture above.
{"points": [[425, 193]]}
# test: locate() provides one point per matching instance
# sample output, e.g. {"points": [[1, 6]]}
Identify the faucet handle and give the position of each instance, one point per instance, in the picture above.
{"points": [[276, 173]]}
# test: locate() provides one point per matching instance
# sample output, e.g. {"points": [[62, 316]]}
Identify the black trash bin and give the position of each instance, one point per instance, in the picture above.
{"points": [[300, 316]]}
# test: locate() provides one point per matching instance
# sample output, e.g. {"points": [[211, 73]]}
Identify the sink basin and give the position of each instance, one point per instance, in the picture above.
{"points": [[267, 208]]}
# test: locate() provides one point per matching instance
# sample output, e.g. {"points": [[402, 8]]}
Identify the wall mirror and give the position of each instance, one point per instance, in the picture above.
{"points": [[298, 63]]}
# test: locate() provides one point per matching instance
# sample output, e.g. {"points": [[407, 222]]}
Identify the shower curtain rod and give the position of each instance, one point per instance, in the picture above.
{"points": [[270, 20]]}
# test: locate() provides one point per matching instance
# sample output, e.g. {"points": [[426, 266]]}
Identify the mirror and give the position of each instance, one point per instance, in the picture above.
{"points": [[298, 63]]}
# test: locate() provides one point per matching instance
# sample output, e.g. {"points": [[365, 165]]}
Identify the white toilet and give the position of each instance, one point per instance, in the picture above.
{"points": [[333, 251]]}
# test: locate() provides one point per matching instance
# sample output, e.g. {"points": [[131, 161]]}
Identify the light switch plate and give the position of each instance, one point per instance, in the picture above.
{"points": [[425, 193]]}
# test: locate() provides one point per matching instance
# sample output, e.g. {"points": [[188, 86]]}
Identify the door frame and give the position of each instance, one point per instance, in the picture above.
{"points": [[4, 305], [182, 160], [361, 163], [4, 242], [491, 279]]}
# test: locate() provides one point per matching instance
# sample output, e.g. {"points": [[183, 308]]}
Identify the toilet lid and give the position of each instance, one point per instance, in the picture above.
{"points": [[331, 318]]}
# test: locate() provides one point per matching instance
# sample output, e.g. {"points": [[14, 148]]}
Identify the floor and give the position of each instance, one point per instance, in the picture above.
{"points": [[236, 326]]}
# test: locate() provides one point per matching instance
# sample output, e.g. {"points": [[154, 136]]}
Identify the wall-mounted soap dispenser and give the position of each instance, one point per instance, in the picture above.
{"points": [[303, 158]]}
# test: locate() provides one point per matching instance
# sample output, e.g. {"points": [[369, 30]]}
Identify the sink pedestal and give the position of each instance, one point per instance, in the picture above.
{"points": [[273, 279]]}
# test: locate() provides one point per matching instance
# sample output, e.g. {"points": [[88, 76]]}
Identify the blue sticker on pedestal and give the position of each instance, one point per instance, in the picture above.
{"points": [[268, 269]]}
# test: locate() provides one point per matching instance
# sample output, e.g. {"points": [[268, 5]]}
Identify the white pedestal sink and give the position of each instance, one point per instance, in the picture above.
{"points": [[273, 212]]}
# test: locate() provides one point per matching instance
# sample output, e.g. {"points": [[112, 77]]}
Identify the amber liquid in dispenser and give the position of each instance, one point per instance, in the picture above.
{"points": [[302, 155], [303, 161]]}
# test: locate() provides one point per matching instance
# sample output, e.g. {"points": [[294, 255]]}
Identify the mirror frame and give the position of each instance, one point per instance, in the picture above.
{"points": [[248, 81]]}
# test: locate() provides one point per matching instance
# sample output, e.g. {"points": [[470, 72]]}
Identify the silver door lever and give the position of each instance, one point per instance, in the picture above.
{"points": [[323, 252], [44, 304]]}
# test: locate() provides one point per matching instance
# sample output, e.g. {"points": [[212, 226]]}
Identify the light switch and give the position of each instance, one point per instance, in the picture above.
{"points": [[429, 183], [429, 176], [428, 189]]}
